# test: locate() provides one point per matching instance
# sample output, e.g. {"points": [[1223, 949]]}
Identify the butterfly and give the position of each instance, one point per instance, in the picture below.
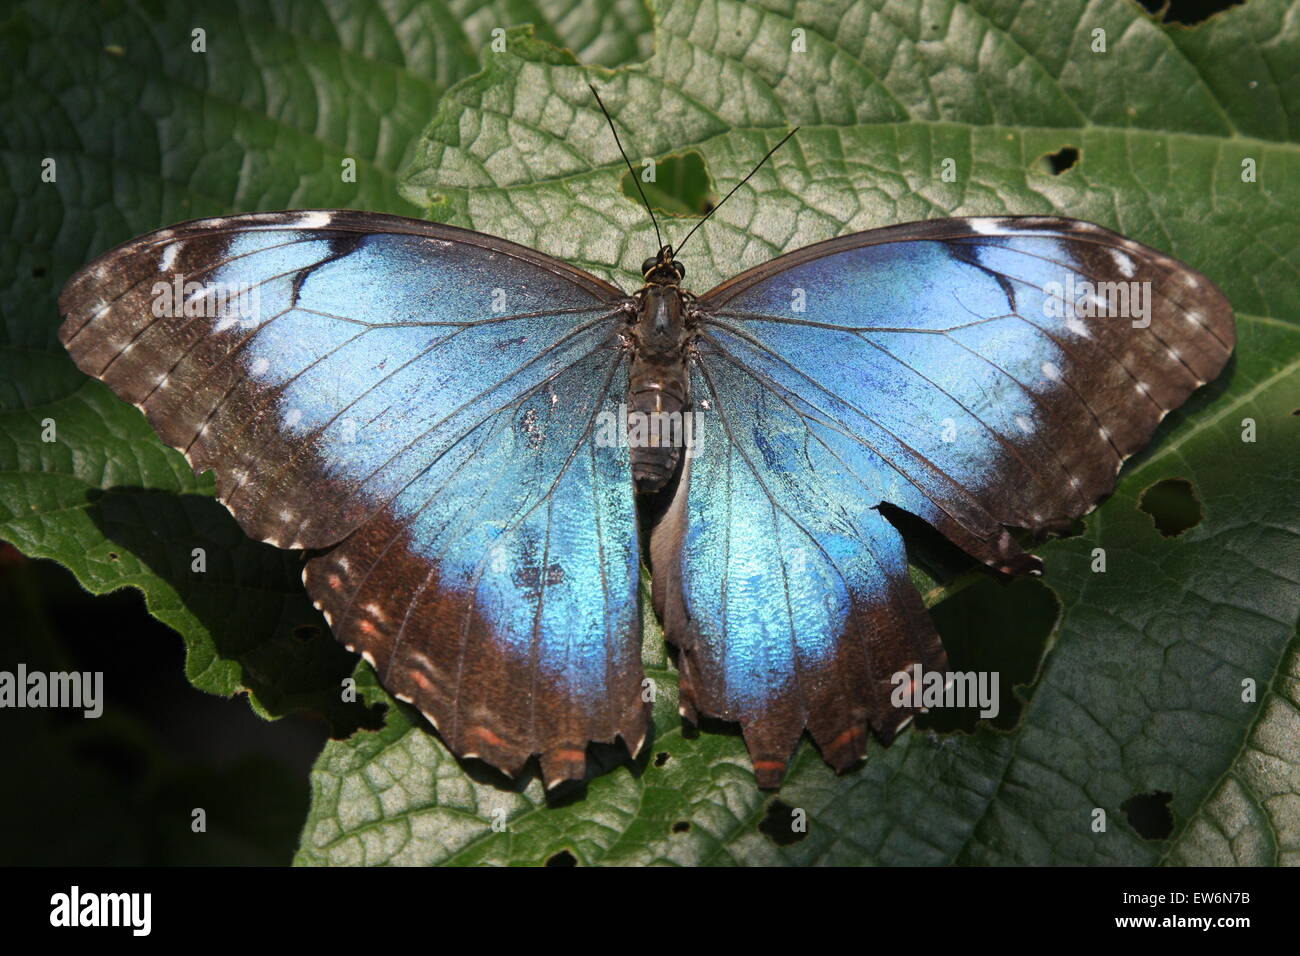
{"points": [[431, 407]]}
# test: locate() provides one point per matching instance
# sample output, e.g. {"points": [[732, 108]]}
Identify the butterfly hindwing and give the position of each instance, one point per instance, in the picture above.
{"points": [[949, 368], [421, 400]]}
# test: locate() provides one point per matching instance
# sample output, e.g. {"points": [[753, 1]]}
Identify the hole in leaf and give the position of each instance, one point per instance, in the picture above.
{"points": [[112, 555], [1187, 12], [1077, 527], [682, 826], [1172, 505], [1149, 814], [563, 858], [1059, 161], [38, 272], [661, 759], [681, 185], [993, 632], [778, 824]]}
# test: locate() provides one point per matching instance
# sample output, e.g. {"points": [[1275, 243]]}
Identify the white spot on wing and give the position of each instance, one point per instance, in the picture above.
{"points": [[1051, 371], [169, 256], [312, 220], [1124, 262]]}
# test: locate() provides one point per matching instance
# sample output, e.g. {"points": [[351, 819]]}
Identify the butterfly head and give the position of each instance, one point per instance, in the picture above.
{"points": [[663, 269]]}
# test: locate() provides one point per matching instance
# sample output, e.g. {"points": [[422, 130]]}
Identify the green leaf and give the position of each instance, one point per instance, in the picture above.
{"points": [[144, 131], [1250, 818], [1141, 686]]}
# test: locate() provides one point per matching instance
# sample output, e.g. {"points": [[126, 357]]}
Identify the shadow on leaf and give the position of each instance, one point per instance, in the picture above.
{"points": [[247, 598]]}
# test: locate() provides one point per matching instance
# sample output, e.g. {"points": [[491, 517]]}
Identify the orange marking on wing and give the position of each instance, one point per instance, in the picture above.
{"points": [[369, 628], [843, 739], [769, 764], [335, 581], [487, 735]]}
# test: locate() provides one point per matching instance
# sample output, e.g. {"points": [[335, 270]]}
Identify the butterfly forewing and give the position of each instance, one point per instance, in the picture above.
{"points": [[421, 399], [981, 374]]}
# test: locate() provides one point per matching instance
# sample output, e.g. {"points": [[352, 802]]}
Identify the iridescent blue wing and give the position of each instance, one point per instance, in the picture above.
{"points": [[419, 399], [949, 368]]}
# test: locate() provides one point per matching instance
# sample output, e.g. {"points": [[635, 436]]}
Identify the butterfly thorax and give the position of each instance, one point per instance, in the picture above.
{"points": [[658, 392]]}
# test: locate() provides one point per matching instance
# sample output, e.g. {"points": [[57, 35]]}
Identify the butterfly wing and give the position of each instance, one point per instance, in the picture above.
{"points": [[949, 368], [419, 399]]}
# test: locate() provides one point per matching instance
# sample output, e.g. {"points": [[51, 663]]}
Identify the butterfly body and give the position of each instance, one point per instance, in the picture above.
{"points": [[659, 381], [424, 405]]}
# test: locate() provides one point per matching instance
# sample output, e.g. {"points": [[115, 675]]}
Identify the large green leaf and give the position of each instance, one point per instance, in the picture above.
{"points": [[1140, 690], [1140, 693], [145, 131]]}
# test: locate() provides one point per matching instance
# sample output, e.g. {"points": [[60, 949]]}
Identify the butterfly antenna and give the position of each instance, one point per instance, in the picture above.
{"points": [[734, 188], [635, 178]]}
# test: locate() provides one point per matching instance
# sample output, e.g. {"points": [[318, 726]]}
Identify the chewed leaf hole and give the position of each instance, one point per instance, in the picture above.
{"points": [[996, 635], [563, 858], [1187, 12], [662, 758], [1173, 506], [781, 824], [1059, 161], [682, 826], [674, 185], [1149, 814]]}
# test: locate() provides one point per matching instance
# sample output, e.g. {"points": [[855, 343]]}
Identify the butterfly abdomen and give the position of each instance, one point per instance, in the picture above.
{"points": [[658, 408]]}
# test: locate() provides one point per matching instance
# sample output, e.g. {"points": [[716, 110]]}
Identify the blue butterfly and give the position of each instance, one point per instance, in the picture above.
{"points": [[433, 407]]}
